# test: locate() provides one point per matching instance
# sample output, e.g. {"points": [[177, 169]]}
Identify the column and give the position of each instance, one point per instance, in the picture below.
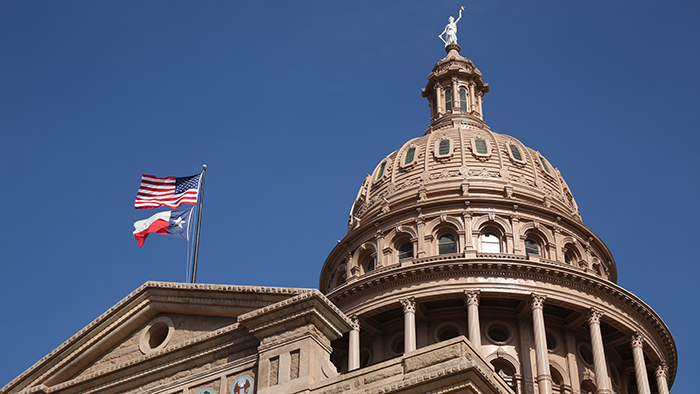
{"points": [[661, 379], [409, 325], [544, 380], [468, 236], [524, 327], [640, 368], [354, 347], [472, 98], [571, 358], [438, 101], [602, 381], [456, 108], [471, 297]]}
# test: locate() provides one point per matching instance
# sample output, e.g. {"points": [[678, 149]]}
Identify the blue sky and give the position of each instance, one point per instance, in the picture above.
{"points": [[290, 104]]}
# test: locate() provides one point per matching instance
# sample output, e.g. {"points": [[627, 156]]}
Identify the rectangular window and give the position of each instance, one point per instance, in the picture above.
{"points": [[463, 100]]}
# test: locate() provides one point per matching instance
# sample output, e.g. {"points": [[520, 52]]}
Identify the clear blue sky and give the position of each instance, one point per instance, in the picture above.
{"points": [[290, 104]]}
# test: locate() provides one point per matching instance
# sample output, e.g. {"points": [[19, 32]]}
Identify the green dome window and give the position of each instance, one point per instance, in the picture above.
{"points": [[516, 153], [463, 99], [410, 154], [444, 148], [447, 244], [448, 100], [480, 147]]}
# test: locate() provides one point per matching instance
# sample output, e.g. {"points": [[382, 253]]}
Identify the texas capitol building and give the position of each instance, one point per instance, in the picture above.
{"points": [[466, 269]]}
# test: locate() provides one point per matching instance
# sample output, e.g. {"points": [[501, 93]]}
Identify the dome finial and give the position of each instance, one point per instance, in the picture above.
{"points": [[451, 30]]}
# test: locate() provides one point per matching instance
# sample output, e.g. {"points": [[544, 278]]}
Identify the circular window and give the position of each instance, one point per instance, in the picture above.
{"points": [[396, 346], [585, 352], [445, 331], [498, 333], [156, 335], [552, 342], [365, 357]]}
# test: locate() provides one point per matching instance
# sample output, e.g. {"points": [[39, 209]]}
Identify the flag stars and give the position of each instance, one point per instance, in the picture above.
{"points": [[178, 222]]}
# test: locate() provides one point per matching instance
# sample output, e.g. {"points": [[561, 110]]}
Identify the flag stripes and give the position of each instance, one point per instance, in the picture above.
{"points": [[169, 191]]}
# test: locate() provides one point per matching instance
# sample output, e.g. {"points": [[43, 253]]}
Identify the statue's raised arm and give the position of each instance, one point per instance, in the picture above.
{"points": [[450, 31]]}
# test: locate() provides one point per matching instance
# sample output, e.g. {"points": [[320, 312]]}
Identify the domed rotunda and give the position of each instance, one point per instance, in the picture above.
{"points": [[465, 231]]}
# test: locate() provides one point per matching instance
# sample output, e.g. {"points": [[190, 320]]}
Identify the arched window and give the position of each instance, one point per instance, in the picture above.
{"points": [[410, 155], [406, 250], [490, 243], [447, 244], [463, 99], [448, 100], [531, 247], [505, 371], [516, 153], [380, 174], [444, 148], [370, 265], [480, 147]]}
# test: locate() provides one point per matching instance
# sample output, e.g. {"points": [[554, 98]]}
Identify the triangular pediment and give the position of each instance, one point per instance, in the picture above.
{"points": [[158, 323]]}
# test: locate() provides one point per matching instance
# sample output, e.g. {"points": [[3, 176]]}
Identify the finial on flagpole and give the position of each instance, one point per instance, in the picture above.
{"points": [[204, 166]]}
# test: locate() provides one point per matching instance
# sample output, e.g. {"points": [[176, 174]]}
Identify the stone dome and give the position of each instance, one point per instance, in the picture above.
{"points": [[464, 231]]}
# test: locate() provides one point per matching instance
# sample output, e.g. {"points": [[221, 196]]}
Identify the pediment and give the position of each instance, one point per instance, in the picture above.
{"points": [[157, 323]]}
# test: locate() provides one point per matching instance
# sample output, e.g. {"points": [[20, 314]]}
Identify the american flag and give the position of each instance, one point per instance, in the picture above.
{"points": [[171, 191]]}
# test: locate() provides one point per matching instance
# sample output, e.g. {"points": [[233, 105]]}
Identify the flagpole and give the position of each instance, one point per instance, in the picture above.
{"points": [[199, 223]]}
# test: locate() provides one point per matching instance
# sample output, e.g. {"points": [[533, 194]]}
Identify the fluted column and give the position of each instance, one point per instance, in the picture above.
{"points": [[544, 379], [602, 381], [471, 297], [661, 378], [640, 368], [438, 100], [354, 347], [409, 325]]}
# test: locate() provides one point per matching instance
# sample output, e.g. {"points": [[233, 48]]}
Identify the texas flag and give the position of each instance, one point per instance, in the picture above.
{"points": [[175, 223]]}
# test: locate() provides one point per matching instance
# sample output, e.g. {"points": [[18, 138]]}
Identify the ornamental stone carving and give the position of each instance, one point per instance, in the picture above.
{"points": [[409, 304], [537, 300]]}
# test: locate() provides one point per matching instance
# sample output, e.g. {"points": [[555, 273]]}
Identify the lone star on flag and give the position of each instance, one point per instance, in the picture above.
{"points": [[178, 222]]}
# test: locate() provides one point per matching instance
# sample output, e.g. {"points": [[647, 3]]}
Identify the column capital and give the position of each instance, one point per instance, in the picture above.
{"points": [[471, 297], [661, 370], [537, 300], [355, 322], [409, 304], [594, 316], [636, 340]]}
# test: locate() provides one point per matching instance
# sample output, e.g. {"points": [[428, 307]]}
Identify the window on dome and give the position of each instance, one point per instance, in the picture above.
{"points": [[406, 251], [410, 154], [516, 153], [531, 247], [544, 165], [480, 147], [490, 243], [463, 99], [448, 100], [381, 171], [447, 244], [567, 258], [444, 148], [370, 266]]}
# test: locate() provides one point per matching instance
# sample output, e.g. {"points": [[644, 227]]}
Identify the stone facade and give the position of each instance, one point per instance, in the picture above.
{"points": [[466, 269]]}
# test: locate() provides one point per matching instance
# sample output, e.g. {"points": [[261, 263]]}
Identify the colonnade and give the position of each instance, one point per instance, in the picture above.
{"points": [[543, 378]]}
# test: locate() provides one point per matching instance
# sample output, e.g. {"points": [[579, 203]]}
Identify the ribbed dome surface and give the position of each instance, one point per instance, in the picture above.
{"points": [[462, 157]]}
